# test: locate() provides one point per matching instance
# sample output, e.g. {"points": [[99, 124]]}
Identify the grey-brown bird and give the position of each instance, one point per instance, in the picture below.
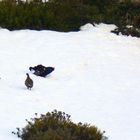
{"points": [[28, 82]]}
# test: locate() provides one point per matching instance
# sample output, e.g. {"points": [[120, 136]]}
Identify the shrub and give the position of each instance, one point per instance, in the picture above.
{"points": [[66, 15], [58, 126]]}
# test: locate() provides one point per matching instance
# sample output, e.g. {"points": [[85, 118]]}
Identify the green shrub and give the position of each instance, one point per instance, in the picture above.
{"points": [[66, 15], [58, 126]]}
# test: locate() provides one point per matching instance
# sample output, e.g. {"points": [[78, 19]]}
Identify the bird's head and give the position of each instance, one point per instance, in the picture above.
{"points": [[30, 68]]}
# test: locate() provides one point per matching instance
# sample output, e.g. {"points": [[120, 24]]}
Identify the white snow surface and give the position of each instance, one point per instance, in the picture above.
{"points": [[96, 79]]}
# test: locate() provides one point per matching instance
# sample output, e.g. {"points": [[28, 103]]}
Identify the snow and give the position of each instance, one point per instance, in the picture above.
{"points": [[96, 79]]}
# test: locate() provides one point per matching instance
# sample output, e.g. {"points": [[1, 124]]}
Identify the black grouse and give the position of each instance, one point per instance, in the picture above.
{"points": [[41, 70], [28, 82]]}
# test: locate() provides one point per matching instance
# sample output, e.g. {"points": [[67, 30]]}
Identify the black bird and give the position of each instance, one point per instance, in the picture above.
{"points": [[28, 82], [41, 70]]}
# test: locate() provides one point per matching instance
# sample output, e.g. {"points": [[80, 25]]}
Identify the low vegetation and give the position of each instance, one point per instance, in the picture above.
{"points": [[58, 126], [67, 15]]}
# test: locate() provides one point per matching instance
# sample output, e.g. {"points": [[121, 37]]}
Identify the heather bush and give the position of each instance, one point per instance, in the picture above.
{"points": [[57, 125]]}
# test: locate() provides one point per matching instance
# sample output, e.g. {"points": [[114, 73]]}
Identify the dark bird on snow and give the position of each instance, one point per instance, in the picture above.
{"points": [[41, 70], [28, 82]]}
